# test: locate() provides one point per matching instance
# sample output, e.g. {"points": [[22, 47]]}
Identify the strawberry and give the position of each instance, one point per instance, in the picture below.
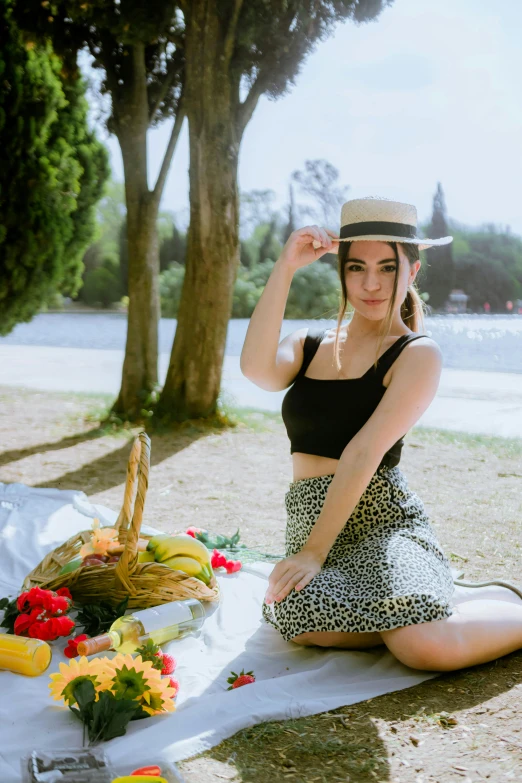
{"points": [[153, 771], [238, 680], [174, 683], [169, 664]]}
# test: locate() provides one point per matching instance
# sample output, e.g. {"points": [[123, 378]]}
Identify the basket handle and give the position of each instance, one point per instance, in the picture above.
{"points": [[134, 498]]}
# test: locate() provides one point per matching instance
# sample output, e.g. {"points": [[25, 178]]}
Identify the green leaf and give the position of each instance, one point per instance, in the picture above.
{"points": [[98, 618], [149, 652], [84, 694], [10, 614], [111, 717]]}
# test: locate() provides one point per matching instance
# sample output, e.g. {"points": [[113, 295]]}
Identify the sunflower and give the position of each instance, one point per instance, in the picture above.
{"points": [[128, 677], [70, 675], [133, 678], [159, 699]]}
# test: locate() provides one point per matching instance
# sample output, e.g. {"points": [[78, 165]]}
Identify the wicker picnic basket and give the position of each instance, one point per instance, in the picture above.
{"points": [[146, 584]]}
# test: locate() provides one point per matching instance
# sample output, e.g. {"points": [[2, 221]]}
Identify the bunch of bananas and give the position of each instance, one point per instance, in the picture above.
{"points": [[182, 553]]}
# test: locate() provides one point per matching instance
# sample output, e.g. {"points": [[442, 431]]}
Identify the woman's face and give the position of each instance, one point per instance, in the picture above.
{"points": [[369, 274]]}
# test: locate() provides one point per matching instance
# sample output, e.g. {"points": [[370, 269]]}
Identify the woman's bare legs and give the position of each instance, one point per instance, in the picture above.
{"points": [[348, 641], [478, 631]]}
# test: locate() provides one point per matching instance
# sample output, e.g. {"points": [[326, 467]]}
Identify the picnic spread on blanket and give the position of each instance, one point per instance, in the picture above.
{"points": [[87, 624]]}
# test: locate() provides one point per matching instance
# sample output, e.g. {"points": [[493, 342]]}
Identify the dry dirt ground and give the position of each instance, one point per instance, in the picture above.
{"points": [[457, 727]]}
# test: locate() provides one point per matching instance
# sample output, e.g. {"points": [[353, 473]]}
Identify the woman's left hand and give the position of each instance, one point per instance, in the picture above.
{"points": [[294, 571]]}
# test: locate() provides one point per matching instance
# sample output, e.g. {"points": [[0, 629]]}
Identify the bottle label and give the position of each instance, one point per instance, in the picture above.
{"points": [[157, 617]]}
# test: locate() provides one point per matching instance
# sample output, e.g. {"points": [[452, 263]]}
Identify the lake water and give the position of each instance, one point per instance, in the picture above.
{"points": [[468, 342]]}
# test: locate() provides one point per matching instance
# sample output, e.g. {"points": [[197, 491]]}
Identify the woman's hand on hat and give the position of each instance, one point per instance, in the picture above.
{"points": [[295, 571], [306, 245]]}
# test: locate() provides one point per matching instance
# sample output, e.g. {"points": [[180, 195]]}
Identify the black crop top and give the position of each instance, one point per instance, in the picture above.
{"points": [[321, 416]]}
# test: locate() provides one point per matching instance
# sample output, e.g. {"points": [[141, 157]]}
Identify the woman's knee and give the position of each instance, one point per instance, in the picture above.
{"points": [[422, 647]]}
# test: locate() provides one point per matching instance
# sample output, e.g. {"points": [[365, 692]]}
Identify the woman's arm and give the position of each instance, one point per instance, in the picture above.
{"points": [[264, 361], [415, 379], [413, 386]]}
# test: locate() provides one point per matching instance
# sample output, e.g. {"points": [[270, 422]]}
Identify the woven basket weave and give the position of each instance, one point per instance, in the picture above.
{"points": [[146, 584]]}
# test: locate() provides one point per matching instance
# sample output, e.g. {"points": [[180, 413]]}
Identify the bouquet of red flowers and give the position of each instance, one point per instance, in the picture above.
{"points": [[41, 614]]}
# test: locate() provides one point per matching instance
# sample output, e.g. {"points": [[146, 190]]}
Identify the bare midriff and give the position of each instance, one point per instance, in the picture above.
{"points": [[311, 465]]}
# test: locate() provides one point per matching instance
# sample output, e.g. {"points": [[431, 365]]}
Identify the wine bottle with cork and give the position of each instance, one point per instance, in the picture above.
{"points": [[159, 623]]}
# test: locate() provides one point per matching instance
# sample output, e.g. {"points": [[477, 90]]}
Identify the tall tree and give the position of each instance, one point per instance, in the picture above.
{"points": [[291, 220], [52, 174], [139, 49], [233, 48], [319, 181], [439, 272]]}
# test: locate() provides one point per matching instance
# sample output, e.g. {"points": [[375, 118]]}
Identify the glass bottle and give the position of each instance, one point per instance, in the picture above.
{"points": [[159, 623], [24, 656]]}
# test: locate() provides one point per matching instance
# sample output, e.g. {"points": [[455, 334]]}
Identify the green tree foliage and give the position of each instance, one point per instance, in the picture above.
{"points": [[437, 275], [53, 171], [315, 292], [173, 247], [171, 285], [488, 266], [102, 285], [138, 48], [235, 52]]}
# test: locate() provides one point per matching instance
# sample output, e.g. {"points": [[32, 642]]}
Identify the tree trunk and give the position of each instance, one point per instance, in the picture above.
{"points": [[194, 376], [140, 366]]}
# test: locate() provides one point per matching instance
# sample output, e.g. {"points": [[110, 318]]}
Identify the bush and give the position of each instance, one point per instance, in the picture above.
{"points": [[315, 292], [101, 287], [171, 284], [245, 298]]}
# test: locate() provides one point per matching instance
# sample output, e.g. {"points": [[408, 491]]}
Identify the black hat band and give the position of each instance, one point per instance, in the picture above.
{"points": [[378, 227]]}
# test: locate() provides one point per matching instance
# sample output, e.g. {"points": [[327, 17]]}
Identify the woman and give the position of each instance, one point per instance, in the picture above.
{"points": [[363, 566]]}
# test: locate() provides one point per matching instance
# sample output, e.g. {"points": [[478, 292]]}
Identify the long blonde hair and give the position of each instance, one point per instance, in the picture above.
{"points": [[412, 309]]}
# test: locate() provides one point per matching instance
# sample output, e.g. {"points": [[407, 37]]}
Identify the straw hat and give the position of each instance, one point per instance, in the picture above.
{"points": [[384, 221]]}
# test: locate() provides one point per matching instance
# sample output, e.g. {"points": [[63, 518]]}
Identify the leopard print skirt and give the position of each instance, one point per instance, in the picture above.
{"points": [[385, 570]]}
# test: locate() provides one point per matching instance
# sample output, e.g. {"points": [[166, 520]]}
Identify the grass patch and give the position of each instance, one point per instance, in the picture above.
{"points": [[500, 447]]}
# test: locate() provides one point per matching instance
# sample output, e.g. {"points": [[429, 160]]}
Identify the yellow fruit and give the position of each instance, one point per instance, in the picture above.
{"points": [[189, 565], [181, 546], [154, 541], [146, 557]]}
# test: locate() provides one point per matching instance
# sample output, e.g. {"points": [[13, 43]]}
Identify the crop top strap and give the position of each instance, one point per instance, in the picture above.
{"points": [[387, 359], [312, 342]]}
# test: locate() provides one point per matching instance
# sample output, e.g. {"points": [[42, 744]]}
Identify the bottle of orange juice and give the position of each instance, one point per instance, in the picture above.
{"points": [[24, 656]]}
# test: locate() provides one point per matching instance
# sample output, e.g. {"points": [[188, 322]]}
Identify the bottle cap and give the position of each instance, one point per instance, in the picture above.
{"points": [[95, 645]]}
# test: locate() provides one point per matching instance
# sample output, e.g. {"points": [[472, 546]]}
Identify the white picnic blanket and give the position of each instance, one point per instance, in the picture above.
{"points": [[291, 681]]}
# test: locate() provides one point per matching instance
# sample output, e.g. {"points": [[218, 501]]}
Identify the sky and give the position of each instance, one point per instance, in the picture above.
{"points": [[429, 92]]}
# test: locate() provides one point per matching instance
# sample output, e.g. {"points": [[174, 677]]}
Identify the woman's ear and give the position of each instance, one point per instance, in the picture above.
{"points": [[414, 268]]}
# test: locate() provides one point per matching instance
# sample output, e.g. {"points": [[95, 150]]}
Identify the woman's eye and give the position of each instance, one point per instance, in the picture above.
{"points": [[357, 268]]}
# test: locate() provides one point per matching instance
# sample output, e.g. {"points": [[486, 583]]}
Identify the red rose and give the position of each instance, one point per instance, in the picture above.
{"points": [[20, 601], [191, 531], [71, 651], [232, 566], [55, 604], [25, 621], [39, 631], [36, 596], [51, 629], [218, 559]]}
